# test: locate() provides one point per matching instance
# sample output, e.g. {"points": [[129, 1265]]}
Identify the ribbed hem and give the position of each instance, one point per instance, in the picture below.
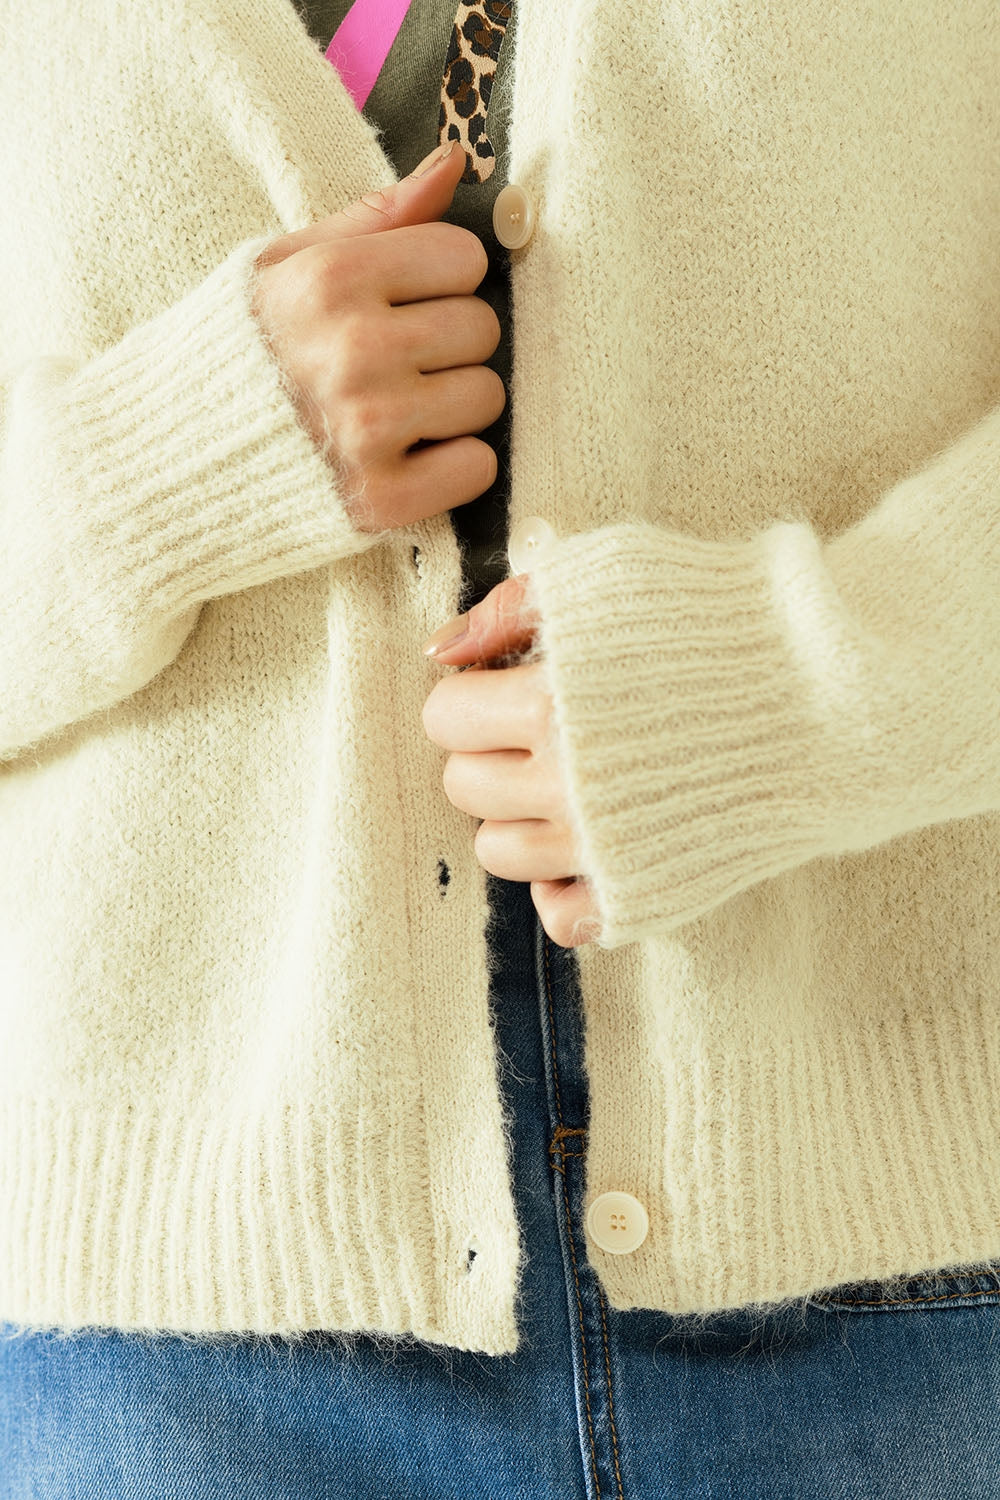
{"points": [[197, 1224], [195, 475], [863, 1150], [689, 748]]}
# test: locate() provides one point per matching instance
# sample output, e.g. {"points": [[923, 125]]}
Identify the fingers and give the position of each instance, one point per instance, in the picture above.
{"points": [[524, 851], [500, 625], [446, 333], [476, 711], [506, 784], [452, 403], [567, 910]]}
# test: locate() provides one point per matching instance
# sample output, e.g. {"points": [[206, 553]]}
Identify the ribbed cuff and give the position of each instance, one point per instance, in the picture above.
{"points": [[694, 759], [195, 475]]}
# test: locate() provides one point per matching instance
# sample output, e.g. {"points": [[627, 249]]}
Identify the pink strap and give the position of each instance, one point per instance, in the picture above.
{"points": [[363, 41]]}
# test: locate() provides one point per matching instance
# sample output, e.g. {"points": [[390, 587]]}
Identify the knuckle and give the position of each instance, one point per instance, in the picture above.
{"points": [[478, 259], [499, 390], [491, 465], [550, 924], [453, 781], [492, 328], [550, 919], [339, 272], [505, 619], [320, 270], [486, 850], [362, 428], [271, 254], [432, 712], [536, 716], [483, 465], [562, 932], [357, 342], [379, 200], [539, 702]]}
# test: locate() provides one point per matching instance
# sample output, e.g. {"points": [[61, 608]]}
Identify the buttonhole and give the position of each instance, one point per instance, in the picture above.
{"points": [[444, 875]]}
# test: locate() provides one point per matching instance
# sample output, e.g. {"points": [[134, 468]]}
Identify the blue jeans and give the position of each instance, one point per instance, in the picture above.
{"points": [[845, 1396]]}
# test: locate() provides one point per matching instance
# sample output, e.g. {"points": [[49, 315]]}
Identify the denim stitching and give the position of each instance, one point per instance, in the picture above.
{"points": [[552, 1033], [902, 1301], [554, 1148], [583, 1339], [569, 1226], [611, 1399], [561, 1134]]}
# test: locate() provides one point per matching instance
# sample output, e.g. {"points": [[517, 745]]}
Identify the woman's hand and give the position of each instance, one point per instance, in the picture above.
{"points": [[504, 765], [371, 315]]}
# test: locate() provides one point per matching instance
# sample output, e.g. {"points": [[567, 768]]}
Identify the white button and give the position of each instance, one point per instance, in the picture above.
{"points": [[617, 1222], [526, 540], [513, 216]]}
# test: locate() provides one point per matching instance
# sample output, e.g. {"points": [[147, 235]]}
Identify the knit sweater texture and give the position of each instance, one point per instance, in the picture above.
{"points": [[248, 1079]]}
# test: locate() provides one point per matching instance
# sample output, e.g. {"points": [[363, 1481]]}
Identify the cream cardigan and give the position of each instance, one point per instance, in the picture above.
{"points": [[247, 1076]]}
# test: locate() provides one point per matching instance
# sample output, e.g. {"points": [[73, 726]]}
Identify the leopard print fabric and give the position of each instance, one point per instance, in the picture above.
{"points": [[470, 65]]}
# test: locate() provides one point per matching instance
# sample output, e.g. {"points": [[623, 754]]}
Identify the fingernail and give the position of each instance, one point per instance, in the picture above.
{"points": [[439, 154], [449, 634]]}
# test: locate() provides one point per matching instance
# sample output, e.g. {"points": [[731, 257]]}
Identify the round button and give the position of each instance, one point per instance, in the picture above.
{"points": [[617, 1222], [513, 216], [526, 540]]}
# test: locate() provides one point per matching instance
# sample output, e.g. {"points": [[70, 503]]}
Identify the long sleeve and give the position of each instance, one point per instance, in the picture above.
{"points": [[167, 470], [728, 710]]}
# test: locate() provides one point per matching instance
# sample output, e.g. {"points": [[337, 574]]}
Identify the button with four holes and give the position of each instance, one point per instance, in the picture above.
{"points": [[617, 1222], [513, 216]]}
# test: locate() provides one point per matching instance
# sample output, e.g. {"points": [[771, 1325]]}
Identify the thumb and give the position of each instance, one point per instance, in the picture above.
{"points": [[502, 624], [411, 200]]}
